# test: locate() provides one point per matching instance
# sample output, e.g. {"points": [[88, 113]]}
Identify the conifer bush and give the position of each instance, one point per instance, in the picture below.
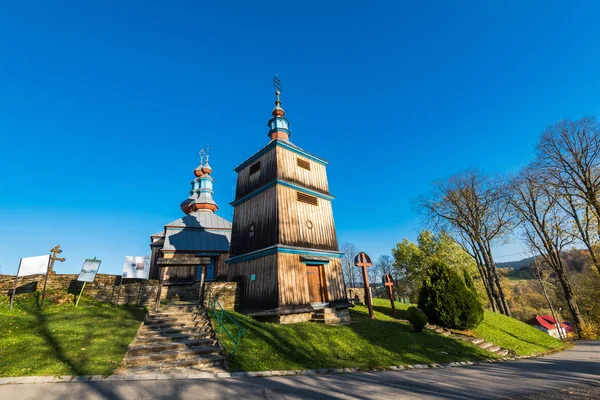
{"points": [[417, 318], [446, 300]]}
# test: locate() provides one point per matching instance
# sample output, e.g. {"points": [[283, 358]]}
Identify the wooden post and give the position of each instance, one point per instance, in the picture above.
{"points": [[161, 272], [204, 263], [389, 282], [80, 293], [56, 250], [201, 287], [12, 296], [142, 286], [119, 291], [363, 260]]}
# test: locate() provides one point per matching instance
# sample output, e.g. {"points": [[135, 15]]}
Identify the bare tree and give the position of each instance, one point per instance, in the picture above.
{"points": [[472, 207], [545, 228], [349, 269], [569, 157], [539, 273]]}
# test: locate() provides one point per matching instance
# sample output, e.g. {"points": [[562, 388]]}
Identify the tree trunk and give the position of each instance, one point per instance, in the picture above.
{"points": [[570, 298]]}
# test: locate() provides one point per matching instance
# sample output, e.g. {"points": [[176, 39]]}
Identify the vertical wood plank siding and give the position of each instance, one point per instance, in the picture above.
{"points": [[288, 169], [293, 217], [260, 294], [247, 182], [261, 211], [293, 285], [336, 289]]}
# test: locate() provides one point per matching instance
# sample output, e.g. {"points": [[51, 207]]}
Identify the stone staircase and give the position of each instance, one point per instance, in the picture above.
{"points": [[489, 346], [177, 339], [329, 316]]}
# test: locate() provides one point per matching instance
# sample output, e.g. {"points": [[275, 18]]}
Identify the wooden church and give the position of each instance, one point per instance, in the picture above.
{"points": [[284, 252]]}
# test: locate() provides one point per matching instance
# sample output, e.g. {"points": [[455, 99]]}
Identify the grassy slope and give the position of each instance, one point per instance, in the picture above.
{"points": [[365, 343], [515, 335], [63, 340]]}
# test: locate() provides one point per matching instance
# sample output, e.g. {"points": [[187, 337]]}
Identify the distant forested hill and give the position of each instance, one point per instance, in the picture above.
{"points": [[515, 264]]}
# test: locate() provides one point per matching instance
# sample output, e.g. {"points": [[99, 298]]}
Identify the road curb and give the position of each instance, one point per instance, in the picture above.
{"points": [[236, 375]]}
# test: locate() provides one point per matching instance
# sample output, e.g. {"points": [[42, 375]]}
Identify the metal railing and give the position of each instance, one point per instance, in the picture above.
{"points": [[220, 315]]}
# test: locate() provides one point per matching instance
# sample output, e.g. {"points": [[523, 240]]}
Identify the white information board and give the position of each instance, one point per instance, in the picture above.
{"points": [[34, 265], [89, 270], [136, 267]]}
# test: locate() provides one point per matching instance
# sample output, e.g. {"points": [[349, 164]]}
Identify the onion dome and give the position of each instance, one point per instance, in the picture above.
{"points": [[279, 124], [206, 168], [198, 171], [201, 195]]}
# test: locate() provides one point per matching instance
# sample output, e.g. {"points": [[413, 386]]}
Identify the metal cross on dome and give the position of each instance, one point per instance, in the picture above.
{"points": [[277, 83], [204, 153]]}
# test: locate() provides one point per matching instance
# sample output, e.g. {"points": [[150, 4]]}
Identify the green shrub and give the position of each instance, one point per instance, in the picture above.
{"points": [[417, 318], [469, 281], [446, 300]]}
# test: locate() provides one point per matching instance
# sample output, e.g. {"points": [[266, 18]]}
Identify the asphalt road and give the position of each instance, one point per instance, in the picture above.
{"points": [[576, 371]]}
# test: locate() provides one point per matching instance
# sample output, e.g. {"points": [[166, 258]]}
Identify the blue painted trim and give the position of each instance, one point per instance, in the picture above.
{"points": [[314, 262], [305, 190], [253, 194], [252, 255], [282, 183], [255, 156], [282, 145], [281, 249]]}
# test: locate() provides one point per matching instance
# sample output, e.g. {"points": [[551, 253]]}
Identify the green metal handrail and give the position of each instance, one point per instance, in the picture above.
{"points": [[219, 313]]}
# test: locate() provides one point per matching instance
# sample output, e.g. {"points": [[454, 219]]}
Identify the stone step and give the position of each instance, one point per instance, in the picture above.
{"points": [[333, 320], [446, 333], [477, 341], [439, 330], [206, 363], [174, 337], [493, 349], [486, 345], [146, 331], [165, 325], [502, 352], [136, 349], [197, 355], [196, 311]]}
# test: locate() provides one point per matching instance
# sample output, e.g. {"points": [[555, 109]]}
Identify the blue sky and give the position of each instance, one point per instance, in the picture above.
{"points": [[105, 105]]}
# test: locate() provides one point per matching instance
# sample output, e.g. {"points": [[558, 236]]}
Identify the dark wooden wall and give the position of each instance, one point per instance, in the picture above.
{"points": [[247, 182], [261, 211], [260, 294]]}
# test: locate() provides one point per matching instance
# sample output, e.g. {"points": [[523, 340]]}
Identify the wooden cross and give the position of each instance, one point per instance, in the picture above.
{"points": [[389, 283], [363, 260], [55, 250]]}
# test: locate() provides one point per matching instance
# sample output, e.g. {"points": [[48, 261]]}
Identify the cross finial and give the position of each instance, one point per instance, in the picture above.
{"points": [[277, 84], [202, 153]]}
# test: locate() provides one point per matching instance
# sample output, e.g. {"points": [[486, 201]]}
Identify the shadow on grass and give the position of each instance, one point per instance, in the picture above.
{"points": [[364, 343], [50, 318]]}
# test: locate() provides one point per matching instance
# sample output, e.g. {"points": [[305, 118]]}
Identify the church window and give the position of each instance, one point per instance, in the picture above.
{"points": [[255, 168], [303, 164], [308, 199]]}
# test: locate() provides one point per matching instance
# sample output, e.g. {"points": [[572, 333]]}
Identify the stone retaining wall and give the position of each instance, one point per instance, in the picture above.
{"points": [[107, 288]]}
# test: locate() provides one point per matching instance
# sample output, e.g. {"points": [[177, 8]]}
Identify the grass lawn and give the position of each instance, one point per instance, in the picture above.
{"points": [[63, 340], [364, 343], [515, 335]]}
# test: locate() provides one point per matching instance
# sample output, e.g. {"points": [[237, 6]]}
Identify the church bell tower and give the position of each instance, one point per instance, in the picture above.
{"points": [[284, 252]]}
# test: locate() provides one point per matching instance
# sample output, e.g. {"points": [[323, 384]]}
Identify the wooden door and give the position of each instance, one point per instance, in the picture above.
{"points": [[315, 283]]}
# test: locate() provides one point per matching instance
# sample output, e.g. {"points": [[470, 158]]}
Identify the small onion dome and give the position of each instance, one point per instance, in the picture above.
{"points": [[207, 169], [199, 171], [187, 205], [278, 111]]}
